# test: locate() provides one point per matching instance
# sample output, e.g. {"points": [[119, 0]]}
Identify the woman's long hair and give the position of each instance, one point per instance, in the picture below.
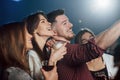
{"points": [[32, 22], [12, 45]]}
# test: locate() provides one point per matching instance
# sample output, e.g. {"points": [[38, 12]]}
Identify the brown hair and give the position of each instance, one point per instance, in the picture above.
{"points": [[32, 22], [78, 38], [12, 45]]}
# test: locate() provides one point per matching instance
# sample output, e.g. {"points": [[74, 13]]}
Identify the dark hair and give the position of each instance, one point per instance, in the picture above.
{"points": [[80, 33], [12, 45], [117, 60], [117, 55], [32, 21], [52, 15]]}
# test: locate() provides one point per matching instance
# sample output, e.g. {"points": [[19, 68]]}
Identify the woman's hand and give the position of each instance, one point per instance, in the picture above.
{"points": [[52, 40], [50, 75], [57, 54]]}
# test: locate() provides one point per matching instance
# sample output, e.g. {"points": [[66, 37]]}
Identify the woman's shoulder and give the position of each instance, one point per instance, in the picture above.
{"points": [[15, 73], [32, 53], [33, 57]]}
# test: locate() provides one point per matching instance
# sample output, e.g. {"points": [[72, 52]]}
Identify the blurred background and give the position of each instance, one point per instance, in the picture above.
{"points": [[94, 14]]}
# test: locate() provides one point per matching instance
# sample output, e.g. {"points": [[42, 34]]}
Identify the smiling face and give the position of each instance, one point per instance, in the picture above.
{"points": [[63, 27], [44, 27], [85, 37]]}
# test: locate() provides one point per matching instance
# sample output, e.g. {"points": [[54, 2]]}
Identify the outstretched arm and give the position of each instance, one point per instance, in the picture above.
{"points": [[106, 38]]}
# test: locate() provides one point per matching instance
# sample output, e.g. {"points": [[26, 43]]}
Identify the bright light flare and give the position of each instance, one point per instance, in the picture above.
{"points": [[101, 5]]}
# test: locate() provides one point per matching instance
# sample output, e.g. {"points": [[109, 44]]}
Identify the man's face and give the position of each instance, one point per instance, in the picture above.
{"points": [[63, 27]]}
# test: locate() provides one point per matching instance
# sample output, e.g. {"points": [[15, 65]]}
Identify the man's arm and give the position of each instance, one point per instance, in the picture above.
{"points": [[106, 38], [77, 54]]}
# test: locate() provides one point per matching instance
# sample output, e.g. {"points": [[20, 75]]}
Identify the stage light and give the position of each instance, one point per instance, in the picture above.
{"points": [[101, 5], [17, 0]]}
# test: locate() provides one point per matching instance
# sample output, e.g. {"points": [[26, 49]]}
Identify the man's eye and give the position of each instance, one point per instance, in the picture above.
{"points": [[64, 23]]}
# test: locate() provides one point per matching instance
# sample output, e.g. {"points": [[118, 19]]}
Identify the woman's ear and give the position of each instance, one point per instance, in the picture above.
{"points": [[55, 32], [35, 31]]}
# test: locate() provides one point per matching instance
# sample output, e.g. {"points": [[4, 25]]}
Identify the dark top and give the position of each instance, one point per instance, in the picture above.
{"points": [[117, 77], [100, 75], [73, 65]]}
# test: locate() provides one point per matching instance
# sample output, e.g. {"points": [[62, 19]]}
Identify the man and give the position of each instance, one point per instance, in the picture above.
{"points": [[73, 65]]}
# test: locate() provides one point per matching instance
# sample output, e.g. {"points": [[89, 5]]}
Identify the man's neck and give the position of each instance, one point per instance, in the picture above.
{"points": [[61, 38]]}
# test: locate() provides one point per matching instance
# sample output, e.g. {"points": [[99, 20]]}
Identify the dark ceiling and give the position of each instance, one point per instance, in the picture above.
{"points": [[82, 13]]}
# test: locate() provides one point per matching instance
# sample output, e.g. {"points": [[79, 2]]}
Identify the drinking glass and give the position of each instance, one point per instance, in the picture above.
{"points": [[46, 66], [58, 44]]}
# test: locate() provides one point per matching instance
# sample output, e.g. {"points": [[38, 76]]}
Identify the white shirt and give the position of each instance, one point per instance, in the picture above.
{"points": [[108, 59], [35, 65]]}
